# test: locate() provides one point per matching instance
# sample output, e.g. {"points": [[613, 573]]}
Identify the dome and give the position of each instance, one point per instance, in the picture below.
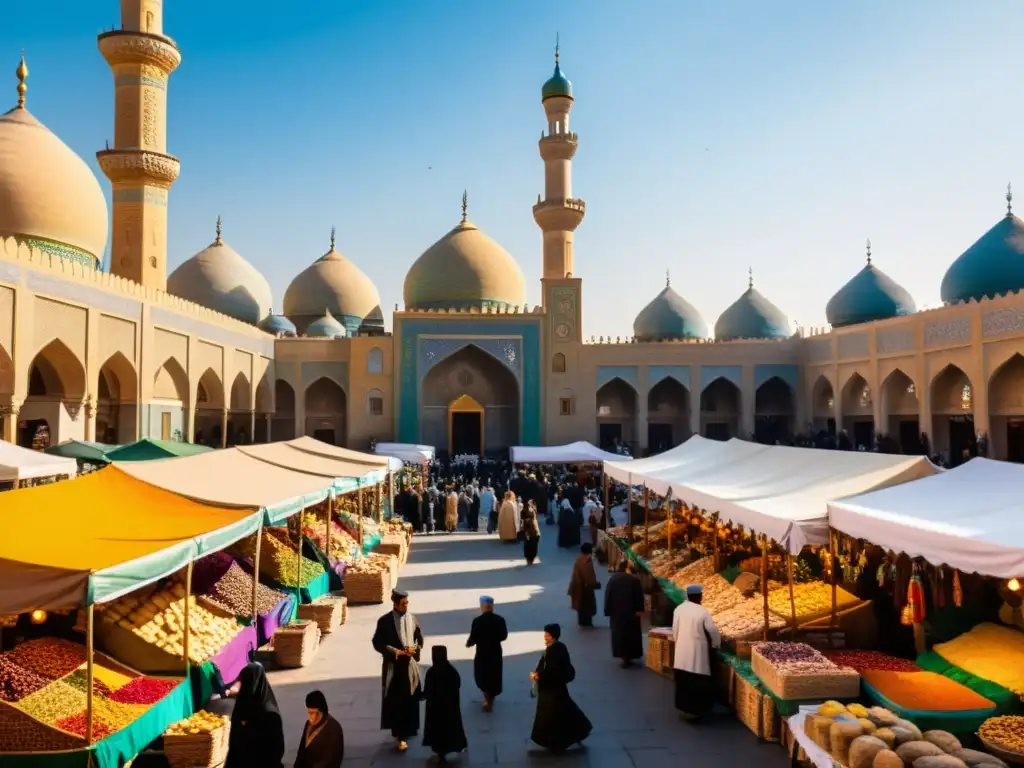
{"points": [[669, 317], [49, 198], [219, 279], [335, 284], [752, 316], [993, 266], [327, 327], [557, 85], [278, 325], [465, 269], [870, 295]]}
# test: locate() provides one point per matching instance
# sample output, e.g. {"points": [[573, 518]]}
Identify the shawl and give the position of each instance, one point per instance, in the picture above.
{"points": [[406, 628]]}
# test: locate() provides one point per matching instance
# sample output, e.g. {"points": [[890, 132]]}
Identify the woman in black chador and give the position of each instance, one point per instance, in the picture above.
{"points": [[442, 726], [558, 723], [257, 733]]}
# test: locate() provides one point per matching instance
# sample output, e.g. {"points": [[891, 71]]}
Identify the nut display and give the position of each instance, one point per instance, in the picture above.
{"points": [[233, 593], [16, 682], [201, 722], [1005, 732], [695, 572], [48, 657], [812, 600], [279, 559], [746, 619], [720, 595], [158, 617], [52, 703]]}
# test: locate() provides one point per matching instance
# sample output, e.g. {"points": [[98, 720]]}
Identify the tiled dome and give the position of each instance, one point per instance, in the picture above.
{"points": [[870, 295], [752, 316], [327, 327], [669, 317], [278, 325]]}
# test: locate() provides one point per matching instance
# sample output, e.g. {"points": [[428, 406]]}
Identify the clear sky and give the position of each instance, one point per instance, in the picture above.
{"points": [[714, 135]]}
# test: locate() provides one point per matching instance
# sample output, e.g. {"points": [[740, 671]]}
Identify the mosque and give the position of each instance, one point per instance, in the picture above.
{"points": [[468, 367]]}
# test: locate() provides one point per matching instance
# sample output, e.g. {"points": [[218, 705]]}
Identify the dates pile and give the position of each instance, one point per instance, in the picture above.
{"points": [[48, 657], [233, 593], [16, 682]]}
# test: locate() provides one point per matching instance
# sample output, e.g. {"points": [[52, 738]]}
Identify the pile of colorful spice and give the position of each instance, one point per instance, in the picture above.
{"points": [[862, 661]]}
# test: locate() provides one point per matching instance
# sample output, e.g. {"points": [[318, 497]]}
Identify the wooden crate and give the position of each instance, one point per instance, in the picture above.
{"points": [[756, 710], [725, 681], [199, 750], [296, 644], [844, 683], [328, 611], [659, 653]]}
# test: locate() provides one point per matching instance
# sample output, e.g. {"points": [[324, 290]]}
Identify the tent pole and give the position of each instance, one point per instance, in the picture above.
{"points": [[256, 571], [298, 561], [605, 512], [89, 645], [764, 579], [359, 511], [792, 597], [668, 526], [647, 522], [327, 527], [833, 551], [188, 614], [380, 502], [629, 508]]}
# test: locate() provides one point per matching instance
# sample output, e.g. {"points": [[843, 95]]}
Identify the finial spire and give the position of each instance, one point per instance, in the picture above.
{"points": [[869, 251], [465, 206], [750, 277], [557, 42], [219, 230], [22, 74], [332, 238], [1009, 199], [668, 279]]}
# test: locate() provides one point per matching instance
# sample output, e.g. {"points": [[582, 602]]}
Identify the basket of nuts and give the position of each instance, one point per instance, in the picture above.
{"points": [[199, 741], [368, 579]]}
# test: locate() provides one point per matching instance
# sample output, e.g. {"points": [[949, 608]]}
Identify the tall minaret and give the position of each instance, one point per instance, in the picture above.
{"points": [[139, 168], [558, 213]]}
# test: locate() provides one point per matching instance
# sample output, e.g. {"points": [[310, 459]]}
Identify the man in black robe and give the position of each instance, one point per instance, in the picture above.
{"points": [[398, 640], [487, 634], [624, 606]]}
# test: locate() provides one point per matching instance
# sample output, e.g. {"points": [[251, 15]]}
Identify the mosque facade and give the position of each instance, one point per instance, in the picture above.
{"points": [[468, 367]]}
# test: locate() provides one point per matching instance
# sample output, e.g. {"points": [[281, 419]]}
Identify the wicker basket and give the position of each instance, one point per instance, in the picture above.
{"points": [[843, 683], [199, 750], [394, 544], [296, 644], [756, 710], [328, 611], [659, 653], [367, 587]]}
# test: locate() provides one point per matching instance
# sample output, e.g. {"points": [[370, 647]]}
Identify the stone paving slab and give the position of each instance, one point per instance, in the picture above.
{"points": [[635, 724]]}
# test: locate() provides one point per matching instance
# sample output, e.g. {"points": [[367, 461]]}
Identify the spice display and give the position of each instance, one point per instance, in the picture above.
{"points": [[279, 560], [201, 722], [233, 593], [20, 733], [343, 546], [865, 660], [144, 690], [746, 620], [16, 682], [695, 572], [1005, 732], [79, 680], [48, 657], [158, 617], [813, 600], [991, 652], [77, 724], [52, 703], [720, 595]]}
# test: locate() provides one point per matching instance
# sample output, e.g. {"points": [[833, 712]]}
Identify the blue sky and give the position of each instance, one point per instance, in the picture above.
{"points": [[715, 136]]}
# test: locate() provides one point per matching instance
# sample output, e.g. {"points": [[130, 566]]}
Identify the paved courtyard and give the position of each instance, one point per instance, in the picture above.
{"points": [[635, 724]]}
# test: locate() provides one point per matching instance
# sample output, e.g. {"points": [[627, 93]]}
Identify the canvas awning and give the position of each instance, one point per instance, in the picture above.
{"points": [[348, 474], [17, 463], [676, 464], [149, 448], [100, 536], [970, 518], [81, 450], [407, 452], [320, 448], [580, 452]]}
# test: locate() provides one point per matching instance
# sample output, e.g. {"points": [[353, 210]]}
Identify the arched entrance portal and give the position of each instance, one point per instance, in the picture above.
{"points": [[56, 389], [720, 410], [465, 427], [953, 416], [1006, 410], [616, 415], [858, 412], [326, 407], [668, 415], [473, 373], [900, 414], [284, 411], [823, 406], [774, 412], [116, 414]]}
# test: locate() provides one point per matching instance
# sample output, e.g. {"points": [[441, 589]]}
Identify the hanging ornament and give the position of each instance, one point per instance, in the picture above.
{"points": [[916, 598], [907, 616], [958, 592]]}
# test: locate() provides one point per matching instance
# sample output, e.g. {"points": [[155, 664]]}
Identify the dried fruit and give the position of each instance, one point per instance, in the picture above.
{"points": [[144, 690], [863, 661], [201, 722], [77, 724], [52, 703], [233, 592], [79, 680], [17, 683], [48, 657]]}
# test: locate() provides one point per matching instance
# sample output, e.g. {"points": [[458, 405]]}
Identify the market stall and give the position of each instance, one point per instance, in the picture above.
{"points": [[84, 451], [319, 448], [149, 448], [18, 465], [580, 452], [406, 452]]}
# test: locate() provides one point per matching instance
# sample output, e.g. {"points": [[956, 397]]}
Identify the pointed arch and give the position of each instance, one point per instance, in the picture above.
{"points": [[326, 406], [118, 377], [241, 393], [558, 363], [857, 396], [264, 395], [283, 423], [171, 382], [822, 398], [56, 373], [616, 413], [952, 400], [6, 372], [952, 391], [209, 391], [1005, 409], [899, 394], [668, 414], [720, 409]]}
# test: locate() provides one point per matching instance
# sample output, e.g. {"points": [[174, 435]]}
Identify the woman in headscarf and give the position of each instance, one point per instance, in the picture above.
{"points": [[558, 722], [508, 524], [442, 725], [531, 532], [323, 742], [257, 733], [568, 523], [582, 586]]}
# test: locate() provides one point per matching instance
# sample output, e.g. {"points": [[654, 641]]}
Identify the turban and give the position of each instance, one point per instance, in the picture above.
{"points": [[398, 595], [694, 589], [486, 600]]}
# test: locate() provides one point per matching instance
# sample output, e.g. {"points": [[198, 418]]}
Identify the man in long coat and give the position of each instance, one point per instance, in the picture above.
{"points": [[624, 606], [487, 634], [398, 640]]}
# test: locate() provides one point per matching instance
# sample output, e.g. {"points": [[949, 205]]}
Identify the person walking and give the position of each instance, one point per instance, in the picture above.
{"points": [[442, 723], [489, 508], [695, 634], [582, 585], [451, 511], [257, 731], [558, 722], [568, 524], [508, 519], [624, 607], [323, 741], [465, 508], [530, 530], [486, 634], [399, 640]]}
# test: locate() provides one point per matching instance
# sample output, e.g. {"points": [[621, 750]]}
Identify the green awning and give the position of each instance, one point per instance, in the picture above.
{"points": [[149, 448], [82, 450]]}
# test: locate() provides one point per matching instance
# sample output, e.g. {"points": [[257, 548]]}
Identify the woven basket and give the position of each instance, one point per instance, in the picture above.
{"points": [[756, 710], [328, 611], [1014, 758], [367, 587], [296, 644], [843, 683], [200, 750], [725, 681]]}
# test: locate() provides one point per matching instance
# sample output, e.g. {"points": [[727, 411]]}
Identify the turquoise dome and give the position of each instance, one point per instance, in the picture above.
{"points": [[327, 327], [871, 295], [669, 317], [278, 325], [557, 85], [752, 316], [993, 266]]}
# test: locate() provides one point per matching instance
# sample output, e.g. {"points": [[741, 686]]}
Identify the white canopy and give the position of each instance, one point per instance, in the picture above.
{"points": [[970, 518], [17, 463], [580, 452], [775, 490], [407, 452]]}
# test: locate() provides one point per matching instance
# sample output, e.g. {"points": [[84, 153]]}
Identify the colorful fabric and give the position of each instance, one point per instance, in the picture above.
{"points": [[990, 652]]}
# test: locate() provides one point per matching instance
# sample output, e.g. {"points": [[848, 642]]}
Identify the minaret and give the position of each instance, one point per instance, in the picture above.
{"points": [[139, 168], [558, 213]]}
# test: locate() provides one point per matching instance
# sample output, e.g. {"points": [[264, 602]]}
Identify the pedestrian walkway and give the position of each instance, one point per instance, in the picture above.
{"points": [[635, 724]]}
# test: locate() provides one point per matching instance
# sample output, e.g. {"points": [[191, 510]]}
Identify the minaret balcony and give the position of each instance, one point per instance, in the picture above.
{"points": [[558, 146], [559, 214], [139, 166], [123, 47]]}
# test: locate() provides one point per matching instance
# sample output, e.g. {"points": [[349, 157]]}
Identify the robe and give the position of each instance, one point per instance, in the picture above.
{"points": [[695, 634], [442, 726], [623, 600], [508, 529], [486, 634], [400, 696], [451, 512], [568, 526], [558, 723], [531, 535], [326, 750], [582, 586]]}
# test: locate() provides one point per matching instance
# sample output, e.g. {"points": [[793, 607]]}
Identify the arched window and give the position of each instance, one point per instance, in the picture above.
{"points": [[558, 363], [375, 361], [566, 402], [375, 402]]}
